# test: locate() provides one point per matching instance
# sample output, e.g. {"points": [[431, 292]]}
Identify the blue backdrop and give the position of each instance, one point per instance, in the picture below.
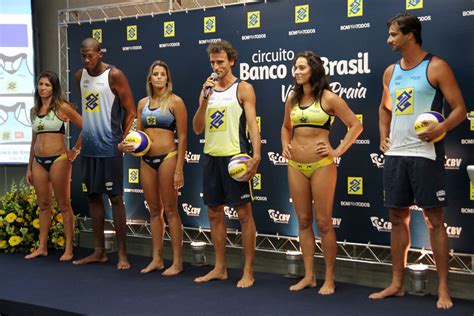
{"points": [[351, 36]]}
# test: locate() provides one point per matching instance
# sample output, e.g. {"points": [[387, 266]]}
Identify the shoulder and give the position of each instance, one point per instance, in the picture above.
{"points": [[245, 89], [387, 74], [329, 97], [142, 103], [176, 99], [291, 99], [78, 74], [437, 63], [116, 73]]}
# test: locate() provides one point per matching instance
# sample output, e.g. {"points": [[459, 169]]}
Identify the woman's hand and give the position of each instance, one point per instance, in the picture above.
{"points": [[125, 147], [287, 151], [325, 150], [178, 180], [72, 154], [29, 176]]}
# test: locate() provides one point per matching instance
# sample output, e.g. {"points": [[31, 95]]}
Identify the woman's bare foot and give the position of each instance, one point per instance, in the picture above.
{"points": [[67, 256], [303, 283], [246, 281], [173, 270], [392, 290], [97, 256], [214, 274], [123, 263], [328, 288], [153, 265], [37, 253], [444, 299]]}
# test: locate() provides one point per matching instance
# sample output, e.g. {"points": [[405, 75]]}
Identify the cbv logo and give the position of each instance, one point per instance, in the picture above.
{"points": [[377, 160], [337, 161], [336, 222], [230, 212], [146, 205], [277, 159], [452, 163], [190, 210], [453, 231], [277, 217], [381, 224], [192, 158]]}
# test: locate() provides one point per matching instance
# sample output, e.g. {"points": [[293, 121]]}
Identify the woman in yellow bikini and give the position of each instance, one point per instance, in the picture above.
{"points": [[309, 112], [50, 163], [161, 169]]}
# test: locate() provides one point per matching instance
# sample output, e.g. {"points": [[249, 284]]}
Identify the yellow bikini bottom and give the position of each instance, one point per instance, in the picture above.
{"points": [[307, 169]]}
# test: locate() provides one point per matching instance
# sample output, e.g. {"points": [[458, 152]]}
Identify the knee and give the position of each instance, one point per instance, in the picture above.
{"points": [[398, 218], [325, 225], [116, 200], [305, 222], [215, 215], [44, 205], [94, 199], [64, 206], [434, 222]]}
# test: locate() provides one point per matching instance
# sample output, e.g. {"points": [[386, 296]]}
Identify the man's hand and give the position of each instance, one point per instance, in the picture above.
{"points": [[385, 145]]}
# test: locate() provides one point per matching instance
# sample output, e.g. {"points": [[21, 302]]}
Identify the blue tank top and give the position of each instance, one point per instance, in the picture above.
{"points": [[412, 94], [153, 118]]}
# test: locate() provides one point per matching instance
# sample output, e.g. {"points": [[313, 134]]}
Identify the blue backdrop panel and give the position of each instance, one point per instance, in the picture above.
{"points": [[351, 36]]}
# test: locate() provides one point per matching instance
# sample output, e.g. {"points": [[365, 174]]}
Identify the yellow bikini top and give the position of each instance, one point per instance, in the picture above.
{"points": [[311, 116]]}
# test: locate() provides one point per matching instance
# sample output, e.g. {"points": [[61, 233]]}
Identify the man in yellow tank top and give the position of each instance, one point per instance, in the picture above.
{"points": [[226, 108]]}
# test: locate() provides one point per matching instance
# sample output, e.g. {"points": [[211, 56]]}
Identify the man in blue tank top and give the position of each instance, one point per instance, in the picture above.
{"points": [[108, 110], [414, 165]]}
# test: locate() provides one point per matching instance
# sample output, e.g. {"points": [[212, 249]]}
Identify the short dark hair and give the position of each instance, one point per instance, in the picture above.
{"points": [[225, 46], [91, 43], [407, 23]]}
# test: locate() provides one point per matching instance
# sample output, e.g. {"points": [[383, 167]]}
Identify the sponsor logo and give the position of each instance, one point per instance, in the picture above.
{"points": [[414, 4], [361, 118], [129, 190], [453, 231], [301, 32], [209, 24], [465, 210], [254, 36], [359, 65], [377, 159], [192, 158], [109, 186], [92, 101], [452, 163], [260, 198], [357, 92], [337, 161], [190, 210], [381, 224], [336, 222], [355, 204], [302, 13], [279, 218], [441, 195], [133, 176], [217, 119], [84, 187], [355, 185], [165, 45], [468, 13], [231, 213], [355, 8], [245, 196], [97, 34], [19, 135], [471, 191], [470, 117], [257, 181], [277, 69], [132, 32], [150, 120], [277, 159], [146, 205], [465, 141], [424, 18], [253, 19], [168, 29], [404, 101], [354, 26]]}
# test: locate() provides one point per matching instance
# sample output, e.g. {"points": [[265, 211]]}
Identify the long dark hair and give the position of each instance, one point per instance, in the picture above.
{"points": [[56, 97], [318, 80]]}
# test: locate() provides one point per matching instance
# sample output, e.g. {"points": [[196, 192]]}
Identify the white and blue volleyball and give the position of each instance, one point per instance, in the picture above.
{"points": [[140, 141], [430, 116], [237, 167]]}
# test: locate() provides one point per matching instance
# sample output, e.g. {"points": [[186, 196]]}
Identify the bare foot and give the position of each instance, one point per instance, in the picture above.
{"points": [[173, 270], [444, 299], [97, 256], [328, 288], [212, 275], [392, 290], [123, 264], [37, 253], [246, 281], [303, 283], [67, 256], [153, 265]]}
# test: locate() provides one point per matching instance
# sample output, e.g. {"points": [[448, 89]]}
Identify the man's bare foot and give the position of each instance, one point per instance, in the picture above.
{"points": [[444, 299], [97, 256], [123, 264], [37, 253], [246, 281], [328, 288], [212, 275], [173, 270], [153, 265], [67, 256], [392, 290], [303, 283]]}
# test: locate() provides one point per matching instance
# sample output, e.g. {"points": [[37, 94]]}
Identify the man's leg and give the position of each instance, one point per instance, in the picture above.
{"points": [[97, 213], [249, 241], [434, 218], [399, 242], [218, 236], [118, 213]]}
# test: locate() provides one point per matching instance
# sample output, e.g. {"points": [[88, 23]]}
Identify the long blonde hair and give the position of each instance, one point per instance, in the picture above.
{"points": [[166, 98]]}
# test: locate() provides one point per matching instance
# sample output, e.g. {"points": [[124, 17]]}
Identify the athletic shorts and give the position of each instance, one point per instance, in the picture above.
{"points": [[218, 186], [102, 175], [414, 180]]}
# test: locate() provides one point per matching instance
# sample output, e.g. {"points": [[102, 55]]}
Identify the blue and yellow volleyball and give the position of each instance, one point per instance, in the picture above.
{"points": [[236, 167], [431, 116], [140, 141]]}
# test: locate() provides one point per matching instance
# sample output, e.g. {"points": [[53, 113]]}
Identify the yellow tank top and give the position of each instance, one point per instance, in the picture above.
{"points": [[311, 116], [225, 124]]}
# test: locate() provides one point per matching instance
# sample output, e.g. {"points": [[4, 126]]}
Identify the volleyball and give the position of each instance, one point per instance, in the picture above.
{"points": [[140, 141], [236, 167], [431, 116]]}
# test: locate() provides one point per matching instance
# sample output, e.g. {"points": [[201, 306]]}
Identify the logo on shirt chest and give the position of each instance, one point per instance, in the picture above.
{"points": [[217, 119], [151, 120], [404, 101], [92, 101]]}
